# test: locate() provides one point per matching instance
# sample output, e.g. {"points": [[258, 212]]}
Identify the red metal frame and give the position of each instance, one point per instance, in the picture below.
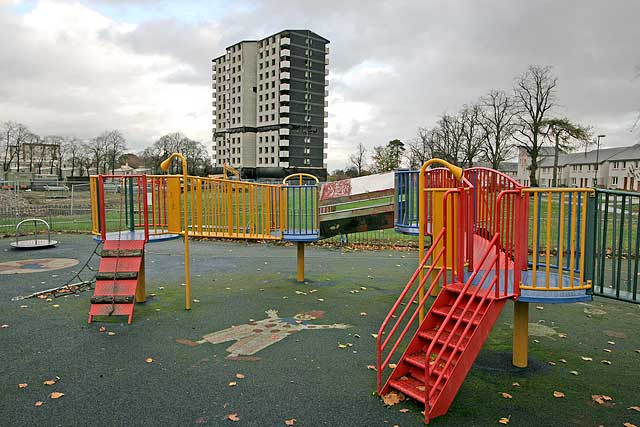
{"points": [[142, 203]]}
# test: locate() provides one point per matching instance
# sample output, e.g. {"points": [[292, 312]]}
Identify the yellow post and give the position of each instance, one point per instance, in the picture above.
{"points": [[300, 275], [165, 166], [457, 173], [520, 334], [141, 289]]}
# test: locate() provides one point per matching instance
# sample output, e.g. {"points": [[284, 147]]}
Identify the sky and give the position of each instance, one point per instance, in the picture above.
{"points": [[77, 68]]}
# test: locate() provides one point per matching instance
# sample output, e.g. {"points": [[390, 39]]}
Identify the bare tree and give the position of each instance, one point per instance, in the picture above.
{"points": [[114, 144], [450, 138], [71, 148], [359, 158], [198, 161], [420, 149], [471, 134], [497, 121], [535, 93], [14, 136]]}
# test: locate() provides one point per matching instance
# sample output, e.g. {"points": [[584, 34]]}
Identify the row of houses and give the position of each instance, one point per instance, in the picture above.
{"points": [[616, 168]]}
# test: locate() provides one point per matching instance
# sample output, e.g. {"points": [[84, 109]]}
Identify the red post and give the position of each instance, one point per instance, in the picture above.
{"points": [[144, 204], [101, 210]]}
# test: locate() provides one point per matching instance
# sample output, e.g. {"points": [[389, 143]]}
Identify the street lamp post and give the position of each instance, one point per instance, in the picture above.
{"points": [[595, 178]]}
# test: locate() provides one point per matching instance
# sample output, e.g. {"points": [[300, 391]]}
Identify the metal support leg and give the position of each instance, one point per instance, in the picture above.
{"points": [[520, 334], [300, 276]]}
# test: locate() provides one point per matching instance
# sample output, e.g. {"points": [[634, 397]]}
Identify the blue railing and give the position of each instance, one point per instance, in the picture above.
{"points": [[406, 201], [302, 207]]}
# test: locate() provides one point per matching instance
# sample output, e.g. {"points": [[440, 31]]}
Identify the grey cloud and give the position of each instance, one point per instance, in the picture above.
{"points": [[440, 55]]}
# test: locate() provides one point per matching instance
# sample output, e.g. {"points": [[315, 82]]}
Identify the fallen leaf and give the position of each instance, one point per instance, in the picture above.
{"points": [[55, 305], [504, 420], [342, 346], [611, 342], [605, 362], [111, 333], [562, 360], [506, 395], [552, 363], [233, 384], [102, 329], [393, 398], [574, 372], [321, 299], [290, 422], [516, 384], [634, 408], [562, 335], [586, 359], [6, 326], [607, 350], [536, 341], [49, 382], [392, 366], [363, 314], [637, 351], [240, 376], [373, 368], [404, 410], [22, 385], [376, 336], [56, 395], [148, 360], [629, 425], [39, 403], [558, 394], [539, 307], [233, 417], [421, 387]]}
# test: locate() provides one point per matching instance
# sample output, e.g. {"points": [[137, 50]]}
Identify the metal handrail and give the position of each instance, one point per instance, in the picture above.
{"points": [[35, 233]]}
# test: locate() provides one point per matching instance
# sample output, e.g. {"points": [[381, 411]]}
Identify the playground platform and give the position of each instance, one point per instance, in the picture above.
{"points": [[305, 376]]}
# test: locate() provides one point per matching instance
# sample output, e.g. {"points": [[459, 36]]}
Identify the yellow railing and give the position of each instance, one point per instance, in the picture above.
{"points": [[234, 209], [558, 218], [95, 205]]}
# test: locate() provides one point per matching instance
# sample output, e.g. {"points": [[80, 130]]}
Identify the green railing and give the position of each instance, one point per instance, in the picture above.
{"points": [[616, 244]]}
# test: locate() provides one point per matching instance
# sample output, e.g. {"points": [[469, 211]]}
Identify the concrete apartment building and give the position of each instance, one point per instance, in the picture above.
{"points": [[269, 105], [616, 168]]}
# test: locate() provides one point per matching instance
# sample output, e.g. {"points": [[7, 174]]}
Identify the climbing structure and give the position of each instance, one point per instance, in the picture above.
{"points": [[478, 224], [129, 211]]}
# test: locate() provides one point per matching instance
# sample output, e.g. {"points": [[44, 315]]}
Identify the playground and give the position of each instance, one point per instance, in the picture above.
{"points": [[495, 319], [307, 376]]}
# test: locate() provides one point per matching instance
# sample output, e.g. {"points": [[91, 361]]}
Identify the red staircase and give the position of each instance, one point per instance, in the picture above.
{"points": [[119, 279], [442, 348]]}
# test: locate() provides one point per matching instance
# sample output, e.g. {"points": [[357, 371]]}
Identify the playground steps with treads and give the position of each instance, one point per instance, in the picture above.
{"points": [[121, 272], [454, 351]]}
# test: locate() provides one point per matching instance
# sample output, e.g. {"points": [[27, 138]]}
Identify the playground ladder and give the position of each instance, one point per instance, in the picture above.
{"points": [[447, 343], [120, 279]]}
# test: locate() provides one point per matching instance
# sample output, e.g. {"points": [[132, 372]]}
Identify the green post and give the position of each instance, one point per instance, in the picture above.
{"points": [[590, 244], [132, 223]]}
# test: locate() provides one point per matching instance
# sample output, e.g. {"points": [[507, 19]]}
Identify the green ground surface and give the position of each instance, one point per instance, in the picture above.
{"points": [[106, 380]]}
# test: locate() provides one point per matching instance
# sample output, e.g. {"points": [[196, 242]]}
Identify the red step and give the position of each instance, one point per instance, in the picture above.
{"points": [[120, 264], [119, 288], [105, 310]]}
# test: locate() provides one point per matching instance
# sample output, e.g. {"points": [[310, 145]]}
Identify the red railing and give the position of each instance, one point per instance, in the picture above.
{"points": [[440, 240], [132, 204]]}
